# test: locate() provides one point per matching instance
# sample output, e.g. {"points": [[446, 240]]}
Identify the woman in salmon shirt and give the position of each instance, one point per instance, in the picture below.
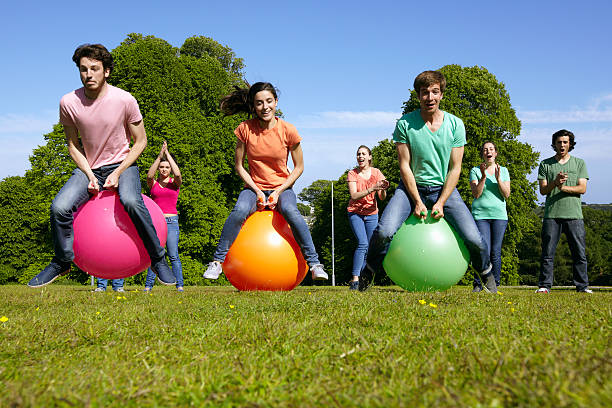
{"points": [[165, 192], [266, 141], [364, 183]]}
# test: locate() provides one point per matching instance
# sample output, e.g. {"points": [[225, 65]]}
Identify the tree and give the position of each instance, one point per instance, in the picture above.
{"points": [[474, 95], [202, 47]]}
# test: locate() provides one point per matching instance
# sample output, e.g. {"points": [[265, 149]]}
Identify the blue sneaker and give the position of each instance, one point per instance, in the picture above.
{"points": [[163, 272], [51, 272]]}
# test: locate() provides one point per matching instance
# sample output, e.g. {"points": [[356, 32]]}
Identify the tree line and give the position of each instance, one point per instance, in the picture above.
{"points": [[178, 90]]}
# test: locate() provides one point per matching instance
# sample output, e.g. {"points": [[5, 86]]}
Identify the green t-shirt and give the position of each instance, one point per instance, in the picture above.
{"points": [[491, 205], [560, 204], [429, 152]]}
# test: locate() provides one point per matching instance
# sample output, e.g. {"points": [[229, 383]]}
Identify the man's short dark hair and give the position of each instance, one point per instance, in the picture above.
{"points": [[428, 78], [561, 133], [94, 51]]}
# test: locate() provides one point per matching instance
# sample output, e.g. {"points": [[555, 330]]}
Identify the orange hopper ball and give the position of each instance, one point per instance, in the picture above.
{"points": [[265, 256]]}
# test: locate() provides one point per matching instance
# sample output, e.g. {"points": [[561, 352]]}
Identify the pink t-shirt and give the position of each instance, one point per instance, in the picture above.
{"points": [[102, 123], [267, 151], [366, 205], [165, 197]]}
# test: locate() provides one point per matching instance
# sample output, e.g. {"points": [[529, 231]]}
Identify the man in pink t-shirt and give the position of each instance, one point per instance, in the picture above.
{"points": [[99, 121]]}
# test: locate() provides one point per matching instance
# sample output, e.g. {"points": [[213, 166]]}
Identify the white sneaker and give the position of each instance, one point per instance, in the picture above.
{"points": [[213, 271], [119, 290], [585, 291], [99, 290], [542, 290], [318, 273]]}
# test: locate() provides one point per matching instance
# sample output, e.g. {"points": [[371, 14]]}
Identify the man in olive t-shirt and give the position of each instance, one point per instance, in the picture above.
{"points": [[563, 178]]}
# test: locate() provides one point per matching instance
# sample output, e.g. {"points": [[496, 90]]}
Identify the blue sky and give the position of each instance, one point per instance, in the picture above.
{"points": [[343, 68]]}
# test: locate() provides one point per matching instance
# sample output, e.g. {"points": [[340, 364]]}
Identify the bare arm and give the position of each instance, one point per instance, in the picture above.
{"points": [[478, 186], [139, 136], [78, 156], [153, 168], [178, 179], [452, 177], [403, 152], [297, 156], [502, 186], [559, 181], [579, 188], [239, 156], [380, 186]]}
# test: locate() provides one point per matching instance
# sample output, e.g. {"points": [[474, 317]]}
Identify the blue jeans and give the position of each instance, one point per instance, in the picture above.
{"points": [[363, 226], [173, 253], [115, 283], [493, 233], [456, 213], [247, 205], [74, 194], [575, 233]]}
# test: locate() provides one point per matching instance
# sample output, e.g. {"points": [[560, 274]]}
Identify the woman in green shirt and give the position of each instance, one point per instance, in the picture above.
{"points": [[490, 185]]}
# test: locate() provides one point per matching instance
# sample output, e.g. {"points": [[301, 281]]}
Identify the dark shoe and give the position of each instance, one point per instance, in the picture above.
{"points": [[354, 285], [477, 289], [51, 272], [367, 278], [488, 280], [489, 283], [163, 272]]}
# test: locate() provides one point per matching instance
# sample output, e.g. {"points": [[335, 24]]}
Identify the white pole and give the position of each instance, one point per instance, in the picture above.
{"points": [[332, 222]]}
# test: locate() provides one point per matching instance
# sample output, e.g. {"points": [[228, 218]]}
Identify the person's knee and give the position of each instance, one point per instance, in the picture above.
{"points": [[242, 210], [131, 201], [60, 207], [385, 231]]}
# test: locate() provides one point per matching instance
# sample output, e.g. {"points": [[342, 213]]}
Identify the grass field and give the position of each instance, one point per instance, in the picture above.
{"points": [[315, 346]]}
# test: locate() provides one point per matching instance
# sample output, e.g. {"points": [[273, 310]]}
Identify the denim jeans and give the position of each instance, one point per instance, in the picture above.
{"points": [[456, 213], [575, 233], [363, 226], [247, 205], [74, 194], [173, 253], [493, 233], [115, 283]]}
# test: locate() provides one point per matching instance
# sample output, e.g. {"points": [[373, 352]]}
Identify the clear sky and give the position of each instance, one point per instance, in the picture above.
{"points": [[343, 68]]}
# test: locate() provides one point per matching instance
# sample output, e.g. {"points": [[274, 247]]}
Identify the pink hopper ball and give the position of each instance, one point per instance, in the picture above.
{"points": [[106, 243]]}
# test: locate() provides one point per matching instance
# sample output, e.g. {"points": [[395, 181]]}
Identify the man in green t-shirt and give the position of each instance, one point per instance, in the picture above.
{"points": [[430, 146], [563, 178]]}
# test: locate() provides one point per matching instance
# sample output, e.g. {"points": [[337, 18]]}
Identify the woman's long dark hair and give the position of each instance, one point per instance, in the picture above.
{"points": [[241, 100]]}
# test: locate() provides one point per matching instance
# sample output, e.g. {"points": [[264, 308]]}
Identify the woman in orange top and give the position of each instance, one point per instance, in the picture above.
{"points": [[364, 183], [266, 141]]}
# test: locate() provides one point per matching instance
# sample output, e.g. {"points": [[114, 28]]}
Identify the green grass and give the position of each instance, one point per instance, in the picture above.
{"points": [[318, 346]]}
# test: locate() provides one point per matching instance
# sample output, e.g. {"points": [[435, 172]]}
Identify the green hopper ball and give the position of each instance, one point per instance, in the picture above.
{"points": [[426, 255]]}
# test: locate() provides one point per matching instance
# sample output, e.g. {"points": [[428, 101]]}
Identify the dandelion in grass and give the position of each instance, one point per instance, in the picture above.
{"points": [[119, 298], [3, 319], [422, 301], [97, 313], [499, 293], [232, 306], [123, 297], [37, 307], [180, 302], [509, 303], [512, 309], [310, 293], [433, 305]]}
